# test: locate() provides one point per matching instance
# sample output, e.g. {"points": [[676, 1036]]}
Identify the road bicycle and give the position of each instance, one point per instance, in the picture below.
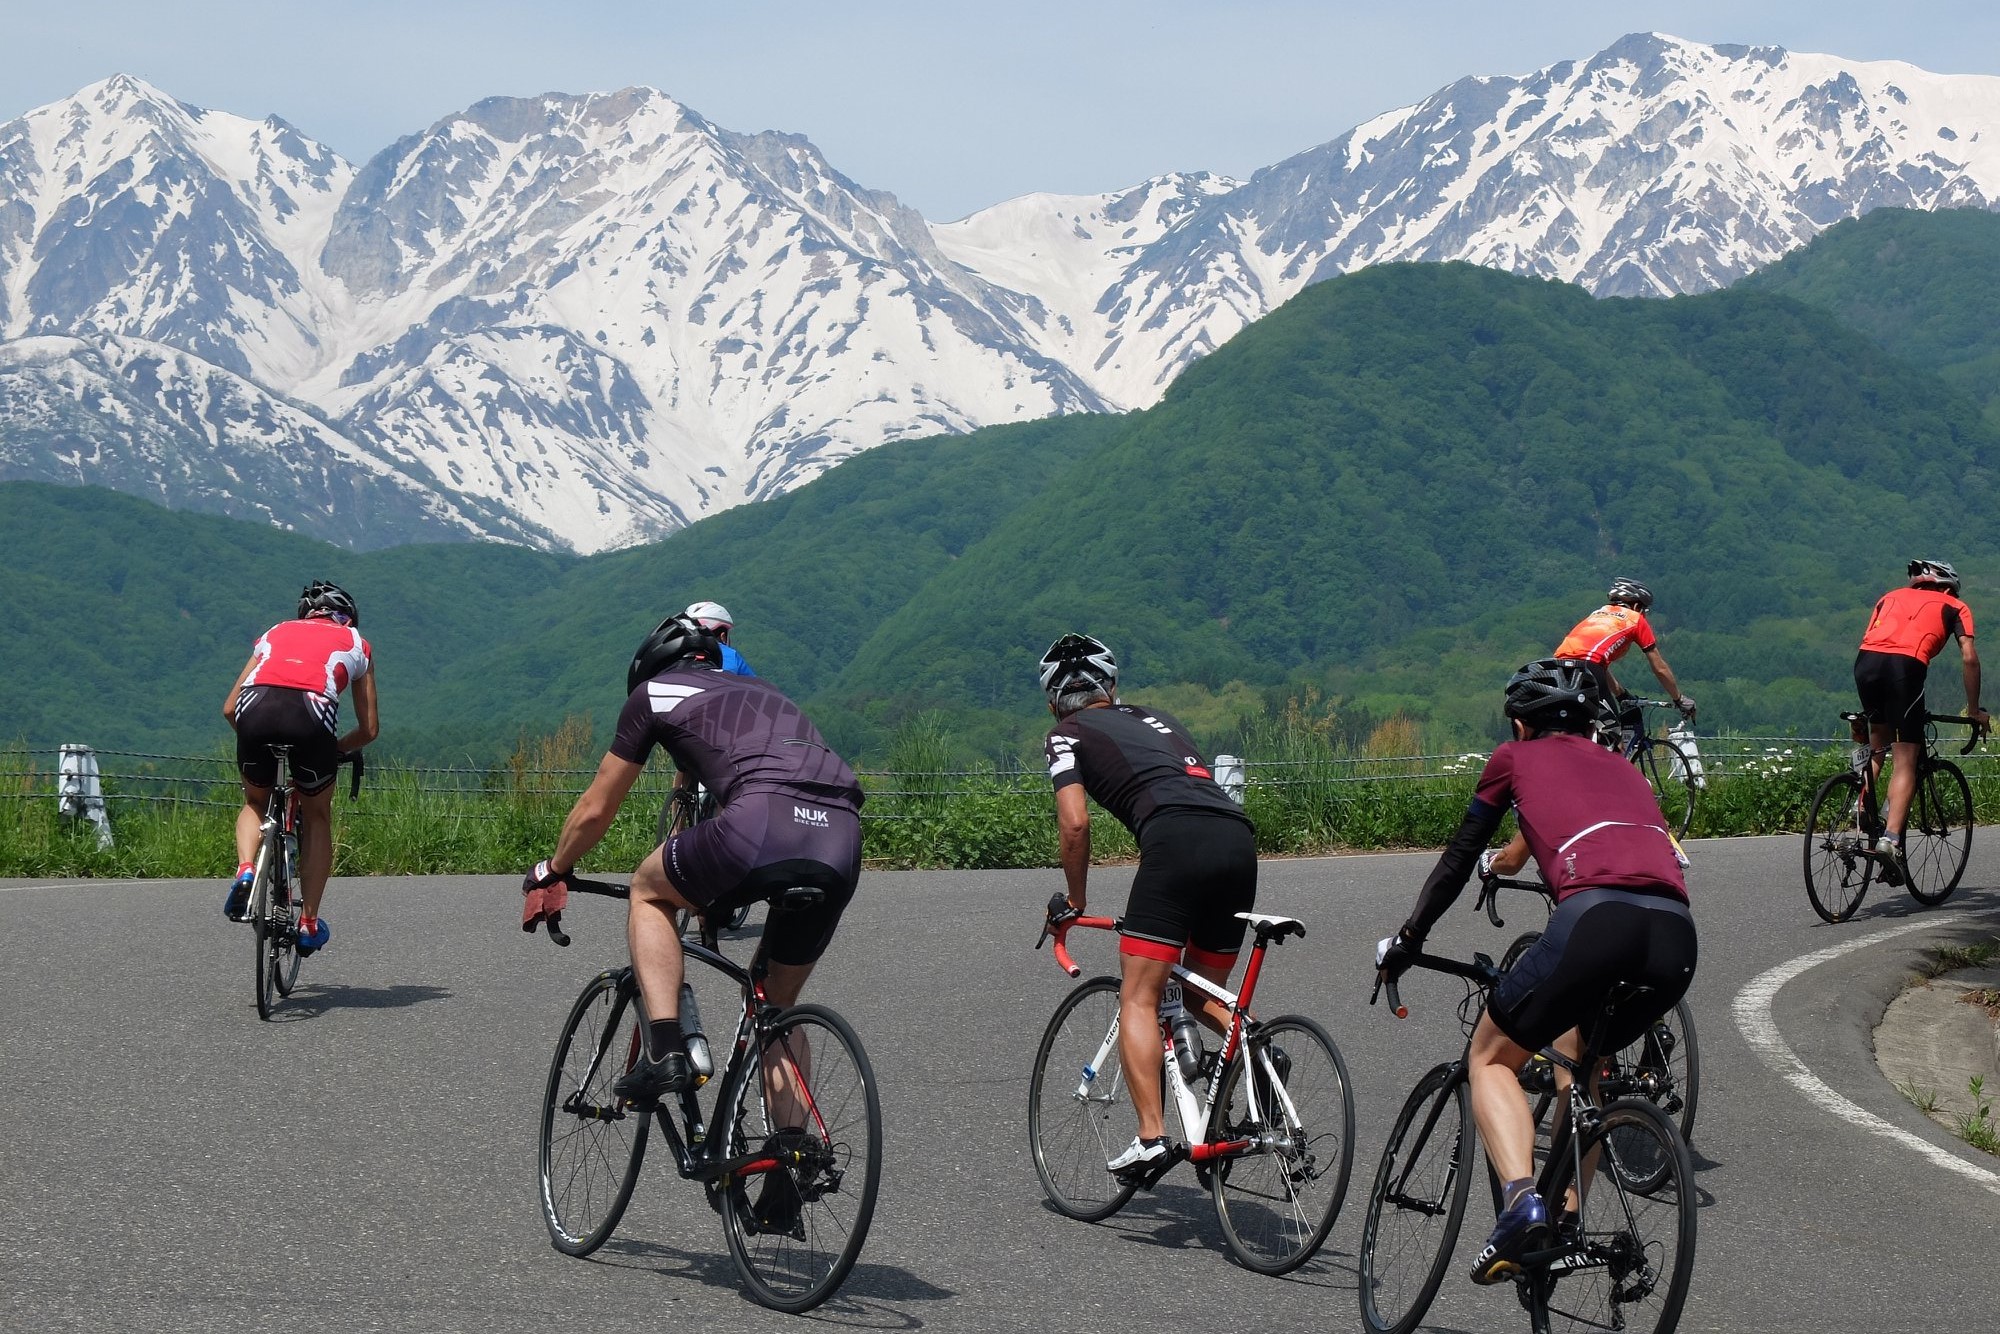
{"points": [[276, 897], [1270, 1130], [1670, 771], [684, 808], [1663, 1065], [1846, 822], [794, 1118], [1621, 1253]]}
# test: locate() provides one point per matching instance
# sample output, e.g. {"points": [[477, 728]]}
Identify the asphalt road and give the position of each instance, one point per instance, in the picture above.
{"points": [[367, 1163]]}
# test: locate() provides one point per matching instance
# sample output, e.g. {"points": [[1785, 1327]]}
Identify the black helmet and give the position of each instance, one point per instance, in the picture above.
{"points": [[1554, 695], [1935, 572], [1078, 661], [1632, 593], [320, 598], [675, 640]]}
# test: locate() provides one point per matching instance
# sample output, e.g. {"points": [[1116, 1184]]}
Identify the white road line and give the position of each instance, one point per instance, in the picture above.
{"points": [[1753, 1016]]}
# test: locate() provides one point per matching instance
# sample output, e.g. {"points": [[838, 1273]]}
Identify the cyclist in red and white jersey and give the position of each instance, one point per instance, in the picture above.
{"points": [[1611, 631], [289, 694], [1908, 628]]}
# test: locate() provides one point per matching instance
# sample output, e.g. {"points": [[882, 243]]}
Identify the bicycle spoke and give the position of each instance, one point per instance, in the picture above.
{"points": [[1416, 1204], [1631, 1253], [1079, 1115], [591, 1143]]}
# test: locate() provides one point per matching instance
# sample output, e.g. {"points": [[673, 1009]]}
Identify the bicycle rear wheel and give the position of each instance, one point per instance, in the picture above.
{"points": [[1079, 1113], [264, 891], [1939, 835], [1664, 1066], [284, 935], [1277, 1203], [796, 1241], [1838, 865], [1672, 780], [592, 1141], [1632, 1249], [1416, 1204]]}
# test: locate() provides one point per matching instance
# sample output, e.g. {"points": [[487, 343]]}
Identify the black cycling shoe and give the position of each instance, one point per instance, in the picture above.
{"points": [[779, 1210], [648, 1081]]}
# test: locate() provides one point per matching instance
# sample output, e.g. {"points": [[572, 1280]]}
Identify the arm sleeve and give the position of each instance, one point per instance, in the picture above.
{"points": [[1060, 750], [1461, 856], [634, 740]]}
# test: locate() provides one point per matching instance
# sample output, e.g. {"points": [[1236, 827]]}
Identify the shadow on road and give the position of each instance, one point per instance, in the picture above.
{"points": [[310, 1002], [1895, 904], [1183, 1218], [859, 1303]]}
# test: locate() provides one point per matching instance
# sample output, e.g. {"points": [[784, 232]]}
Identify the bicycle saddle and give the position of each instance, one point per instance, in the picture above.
{"points": [[1270, 924]]}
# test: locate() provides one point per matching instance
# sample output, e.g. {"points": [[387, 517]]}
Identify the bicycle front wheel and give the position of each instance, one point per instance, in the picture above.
{"points": [[1416, 1204], [1632, 1249], [1080, 1113], [1287, 1090], [810, 1103], [1672, 780], [1838, 864], [1939, 835], [592, 1140]]}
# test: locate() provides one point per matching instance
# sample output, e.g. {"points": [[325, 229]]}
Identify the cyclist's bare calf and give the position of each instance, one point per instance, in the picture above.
{"points": [[1500, 1104], [315, 843], [1143, 982]]}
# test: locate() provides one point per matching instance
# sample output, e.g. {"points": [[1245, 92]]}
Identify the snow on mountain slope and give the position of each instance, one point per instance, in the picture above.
{"points": [[1657, 166], [587, 320]]}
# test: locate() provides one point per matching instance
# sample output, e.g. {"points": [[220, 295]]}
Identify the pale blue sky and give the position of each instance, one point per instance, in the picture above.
{"points": [[950, 106]]}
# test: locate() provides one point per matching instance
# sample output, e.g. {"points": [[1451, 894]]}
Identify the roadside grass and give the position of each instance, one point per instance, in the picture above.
{"points": [[1976, 1127], [1926, 1099], [1950, 958]]}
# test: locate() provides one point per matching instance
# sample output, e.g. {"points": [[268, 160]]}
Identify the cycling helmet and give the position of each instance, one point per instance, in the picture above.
{"points": [[1935, 572], [1077, 661], [675, 640], [1554, 695], [712, 616], [320, 598], [1632, 593]]}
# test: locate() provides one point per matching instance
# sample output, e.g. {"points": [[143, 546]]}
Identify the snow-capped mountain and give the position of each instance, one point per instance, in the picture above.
{"points": [[587, 320], [1658, 166]]}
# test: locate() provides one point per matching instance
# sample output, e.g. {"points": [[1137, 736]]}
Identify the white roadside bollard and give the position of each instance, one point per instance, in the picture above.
{"points": [[80, 792], [1682, 736], [1229, 776]]}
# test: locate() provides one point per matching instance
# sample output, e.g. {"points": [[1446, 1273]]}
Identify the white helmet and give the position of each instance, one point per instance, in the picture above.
{"points": [[712, 616]]}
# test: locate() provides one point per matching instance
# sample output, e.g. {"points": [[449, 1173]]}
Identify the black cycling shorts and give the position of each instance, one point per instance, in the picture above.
{"points": [[1891, 686], [1595, 940], [279, 715], [764, 842], [1196, 872]]}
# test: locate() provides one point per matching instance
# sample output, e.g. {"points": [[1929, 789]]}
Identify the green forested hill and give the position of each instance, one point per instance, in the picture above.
{"points": [[1926, 286], [1393, 488]]}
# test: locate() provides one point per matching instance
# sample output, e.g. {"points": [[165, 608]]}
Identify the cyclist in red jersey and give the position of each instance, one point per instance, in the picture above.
{"points": [[1607, 634], [1621, 916], [289, 694], [1908, 628]]}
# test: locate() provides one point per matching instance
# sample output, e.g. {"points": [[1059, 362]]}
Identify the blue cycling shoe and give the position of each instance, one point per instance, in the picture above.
{"points": [[237, 906], [1524, 1225], [313, 935]]}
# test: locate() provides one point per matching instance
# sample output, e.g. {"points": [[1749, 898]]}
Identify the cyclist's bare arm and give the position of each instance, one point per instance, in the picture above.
{"points": [[594, 810], [1073, 831], [1969, 659], [229, 700], [367, 726], [1658, 663], [1511, 859]]}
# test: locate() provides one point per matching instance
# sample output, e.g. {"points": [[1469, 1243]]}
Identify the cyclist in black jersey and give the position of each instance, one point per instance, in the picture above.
{"points": [[1197, 856], [788, 814]]}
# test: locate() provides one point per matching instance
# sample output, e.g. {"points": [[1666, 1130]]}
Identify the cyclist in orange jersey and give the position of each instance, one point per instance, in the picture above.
{"points": [[1607, 634], [1908, 628]]}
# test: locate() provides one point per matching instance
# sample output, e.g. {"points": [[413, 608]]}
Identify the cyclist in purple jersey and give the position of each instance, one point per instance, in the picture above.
{"points": [[788, 814], [1621, 917]]}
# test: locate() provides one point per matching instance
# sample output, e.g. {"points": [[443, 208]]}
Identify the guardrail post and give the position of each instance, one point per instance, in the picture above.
{"points": [[1229, 776], [80, 792]]}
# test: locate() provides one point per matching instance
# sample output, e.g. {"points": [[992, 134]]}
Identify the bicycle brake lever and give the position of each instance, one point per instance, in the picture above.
{"points": [[556, 933]]}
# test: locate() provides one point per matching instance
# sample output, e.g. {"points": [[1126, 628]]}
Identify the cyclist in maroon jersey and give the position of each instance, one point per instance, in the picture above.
{"points": [[787, 815], [1197, 858], [289, 694], [1908, 628], [1621, 916]]}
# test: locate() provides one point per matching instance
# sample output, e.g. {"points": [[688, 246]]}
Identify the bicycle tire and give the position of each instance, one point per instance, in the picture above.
{"points": [[1668, 1058], [1633, 1256], [1667, 772], [1837, 864], [592, 1142], [1277, 1205], [1079, 1114], [285, 935], [1411, 1239], [796, 1269], [269, 860], [1938, 838]]}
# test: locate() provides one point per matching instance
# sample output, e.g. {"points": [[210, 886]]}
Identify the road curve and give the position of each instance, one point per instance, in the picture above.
{"points": [[367, 1163]]}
